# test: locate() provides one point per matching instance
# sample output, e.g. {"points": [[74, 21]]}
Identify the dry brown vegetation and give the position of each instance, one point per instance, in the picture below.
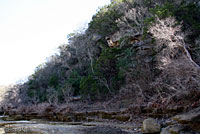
{"points": [[157, 74]]}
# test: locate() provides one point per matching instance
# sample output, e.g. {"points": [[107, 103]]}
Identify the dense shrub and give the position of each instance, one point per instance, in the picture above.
{"points": [[104, 21], [92, 70], [187, 14], [102, 79]]}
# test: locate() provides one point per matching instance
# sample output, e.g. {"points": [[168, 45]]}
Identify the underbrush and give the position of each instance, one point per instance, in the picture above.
{"points": [[159, 68]]}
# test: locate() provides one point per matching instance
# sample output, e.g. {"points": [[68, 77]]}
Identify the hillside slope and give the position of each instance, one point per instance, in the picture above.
{"points": [[142, 56]]}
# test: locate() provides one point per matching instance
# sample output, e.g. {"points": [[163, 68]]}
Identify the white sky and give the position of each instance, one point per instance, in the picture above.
{"points": [[31, 31]]}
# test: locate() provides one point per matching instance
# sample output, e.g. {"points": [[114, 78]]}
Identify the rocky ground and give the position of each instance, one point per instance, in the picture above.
{"points": [[96, 120], [187, 123], [173, 116], [119, 115], [39, 126]]}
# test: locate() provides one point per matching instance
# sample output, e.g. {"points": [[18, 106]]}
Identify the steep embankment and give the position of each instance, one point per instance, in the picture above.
{"points": [[136, 59]]}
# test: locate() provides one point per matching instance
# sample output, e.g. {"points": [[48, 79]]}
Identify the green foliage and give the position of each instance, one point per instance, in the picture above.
{"points": [[164, 11], [104, 77], [108, 55], [31, 93], [158, 11], [147, 23], [101, 79], [74, 81], [53, 81], [89, 86], [97, 82], [147, 2], [187, 14], [190, 16], [106, 63], [104, 21], [45, 82], [125, 60]]}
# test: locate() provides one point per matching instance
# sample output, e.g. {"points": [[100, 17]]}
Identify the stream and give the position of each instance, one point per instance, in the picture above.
{"points": [[41, 126]]}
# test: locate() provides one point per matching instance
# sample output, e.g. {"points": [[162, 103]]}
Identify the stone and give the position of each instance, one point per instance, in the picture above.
{"points": [[103, 130], [191, 118], [175, 129], [62, 129], [123, 118], [3, 117], [185, 132], [7, 118], [150, 125], [165, 131], [3, 123]]}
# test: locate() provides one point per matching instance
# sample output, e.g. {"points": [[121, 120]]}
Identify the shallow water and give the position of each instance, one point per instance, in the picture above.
{"points": [[37, 126]]}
